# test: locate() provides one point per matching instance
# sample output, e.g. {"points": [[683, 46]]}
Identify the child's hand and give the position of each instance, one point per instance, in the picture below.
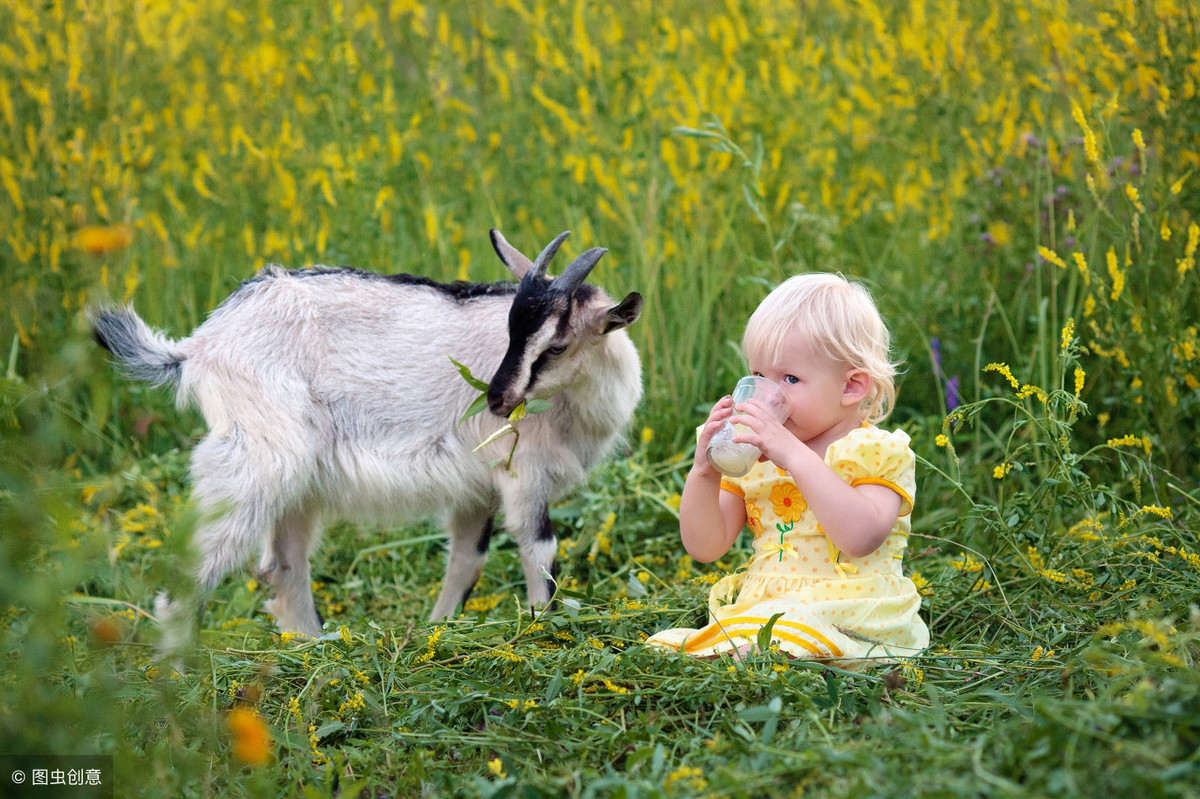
{"points": [[716, 417], [763, 429]]}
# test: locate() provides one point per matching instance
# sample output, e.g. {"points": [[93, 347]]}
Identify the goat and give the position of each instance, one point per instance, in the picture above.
{"points": [[330, 392]]}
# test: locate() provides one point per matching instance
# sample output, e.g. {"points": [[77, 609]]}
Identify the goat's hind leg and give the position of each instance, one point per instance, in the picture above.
{"points": [[224, 540], [285, 567], [470, 534]]}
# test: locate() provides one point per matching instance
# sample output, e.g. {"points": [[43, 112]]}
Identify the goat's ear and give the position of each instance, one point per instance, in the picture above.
{"points": [[510, 256], [624, 313]]}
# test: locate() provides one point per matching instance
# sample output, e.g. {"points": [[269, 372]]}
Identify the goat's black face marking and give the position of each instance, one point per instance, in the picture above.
{"points": [[538, 302]]}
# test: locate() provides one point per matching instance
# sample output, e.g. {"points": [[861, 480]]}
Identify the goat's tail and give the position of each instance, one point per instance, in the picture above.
{"points": [[145, 354]]}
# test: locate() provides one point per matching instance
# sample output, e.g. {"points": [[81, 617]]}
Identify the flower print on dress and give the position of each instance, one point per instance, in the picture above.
{"points": [[789, 504], [781, 547], [754, 519]]}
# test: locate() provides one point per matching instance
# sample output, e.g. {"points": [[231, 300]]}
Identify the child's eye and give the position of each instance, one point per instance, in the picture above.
{"points": [[791, 379]]}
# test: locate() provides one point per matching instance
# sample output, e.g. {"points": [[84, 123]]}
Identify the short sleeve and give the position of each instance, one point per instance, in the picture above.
{"points": [[870, 456]]}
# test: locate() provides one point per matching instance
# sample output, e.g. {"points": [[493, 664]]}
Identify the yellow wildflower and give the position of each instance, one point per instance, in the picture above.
{"points": [[1132, 193], [967, 563], [689, 774], [999, 233], [1089, 138], [1052, 257], [1081, 263], [1189, 251], [1118, 277], [1003, 369]]}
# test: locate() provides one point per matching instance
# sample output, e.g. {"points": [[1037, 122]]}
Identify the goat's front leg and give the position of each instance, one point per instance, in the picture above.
{"points": [[527, 519]]}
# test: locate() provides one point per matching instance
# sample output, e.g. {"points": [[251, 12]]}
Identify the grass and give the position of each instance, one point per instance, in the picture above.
{"points": [[1015, 182]]}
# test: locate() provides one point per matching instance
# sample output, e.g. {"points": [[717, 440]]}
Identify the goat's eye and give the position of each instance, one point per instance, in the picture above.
{"points": [[556, 351]]}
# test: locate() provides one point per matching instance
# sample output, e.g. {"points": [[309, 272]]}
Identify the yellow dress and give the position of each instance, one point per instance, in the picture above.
{"points": [[849, 610]]}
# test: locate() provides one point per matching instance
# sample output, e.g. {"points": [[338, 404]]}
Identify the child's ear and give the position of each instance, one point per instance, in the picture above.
{"points": [[858, 385]]}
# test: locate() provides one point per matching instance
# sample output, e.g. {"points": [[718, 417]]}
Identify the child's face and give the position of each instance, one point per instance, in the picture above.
{"points": [[821, 392]]}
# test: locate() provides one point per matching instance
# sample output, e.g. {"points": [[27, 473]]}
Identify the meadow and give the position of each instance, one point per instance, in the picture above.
{"points": [[1016, 182]]}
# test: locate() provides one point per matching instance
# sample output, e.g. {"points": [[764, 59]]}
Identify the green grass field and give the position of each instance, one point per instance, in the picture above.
{"points": [[1017, 184]]}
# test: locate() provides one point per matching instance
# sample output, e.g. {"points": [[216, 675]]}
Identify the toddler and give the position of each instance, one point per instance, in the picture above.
{"points": [[829, 500]]}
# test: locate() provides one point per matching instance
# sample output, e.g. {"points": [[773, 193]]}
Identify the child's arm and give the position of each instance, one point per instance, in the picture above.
{"points": [[709, 518], [857, 519]]}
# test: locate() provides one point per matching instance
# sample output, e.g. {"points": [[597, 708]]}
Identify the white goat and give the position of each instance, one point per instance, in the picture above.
{"points": [[329, 392]]}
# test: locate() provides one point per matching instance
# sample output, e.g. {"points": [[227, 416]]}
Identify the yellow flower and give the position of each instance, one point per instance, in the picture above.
{"points": [[251, 738], [1081, 263], [101, 240], [967, 563], [690, 775], [942, 440], [1003, 369], [1118, 277], [1052, 257], [1068, 334], [1089, 138], [1189, 251], [788, 502], [1132, 193], [497, 768], [922, 585], [1000, 471], [1000, 233]]}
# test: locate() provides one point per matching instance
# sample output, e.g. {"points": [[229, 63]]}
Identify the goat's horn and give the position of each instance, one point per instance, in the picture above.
{"points": [[577, 272], [543, 260], [510, 256]]}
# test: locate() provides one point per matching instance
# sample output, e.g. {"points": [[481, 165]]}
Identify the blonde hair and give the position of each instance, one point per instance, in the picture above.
{"points": [[836, 318]]}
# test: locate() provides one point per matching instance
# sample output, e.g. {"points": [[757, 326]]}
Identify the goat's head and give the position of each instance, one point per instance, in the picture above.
{"points": [[551, 323]]}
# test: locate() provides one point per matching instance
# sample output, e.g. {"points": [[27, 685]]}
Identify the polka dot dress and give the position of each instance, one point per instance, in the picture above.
{"points": [[837, 608]]}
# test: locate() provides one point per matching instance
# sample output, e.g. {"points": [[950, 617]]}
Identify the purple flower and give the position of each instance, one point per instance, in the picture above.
{"points": [[953, 399], [949, 385]]}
